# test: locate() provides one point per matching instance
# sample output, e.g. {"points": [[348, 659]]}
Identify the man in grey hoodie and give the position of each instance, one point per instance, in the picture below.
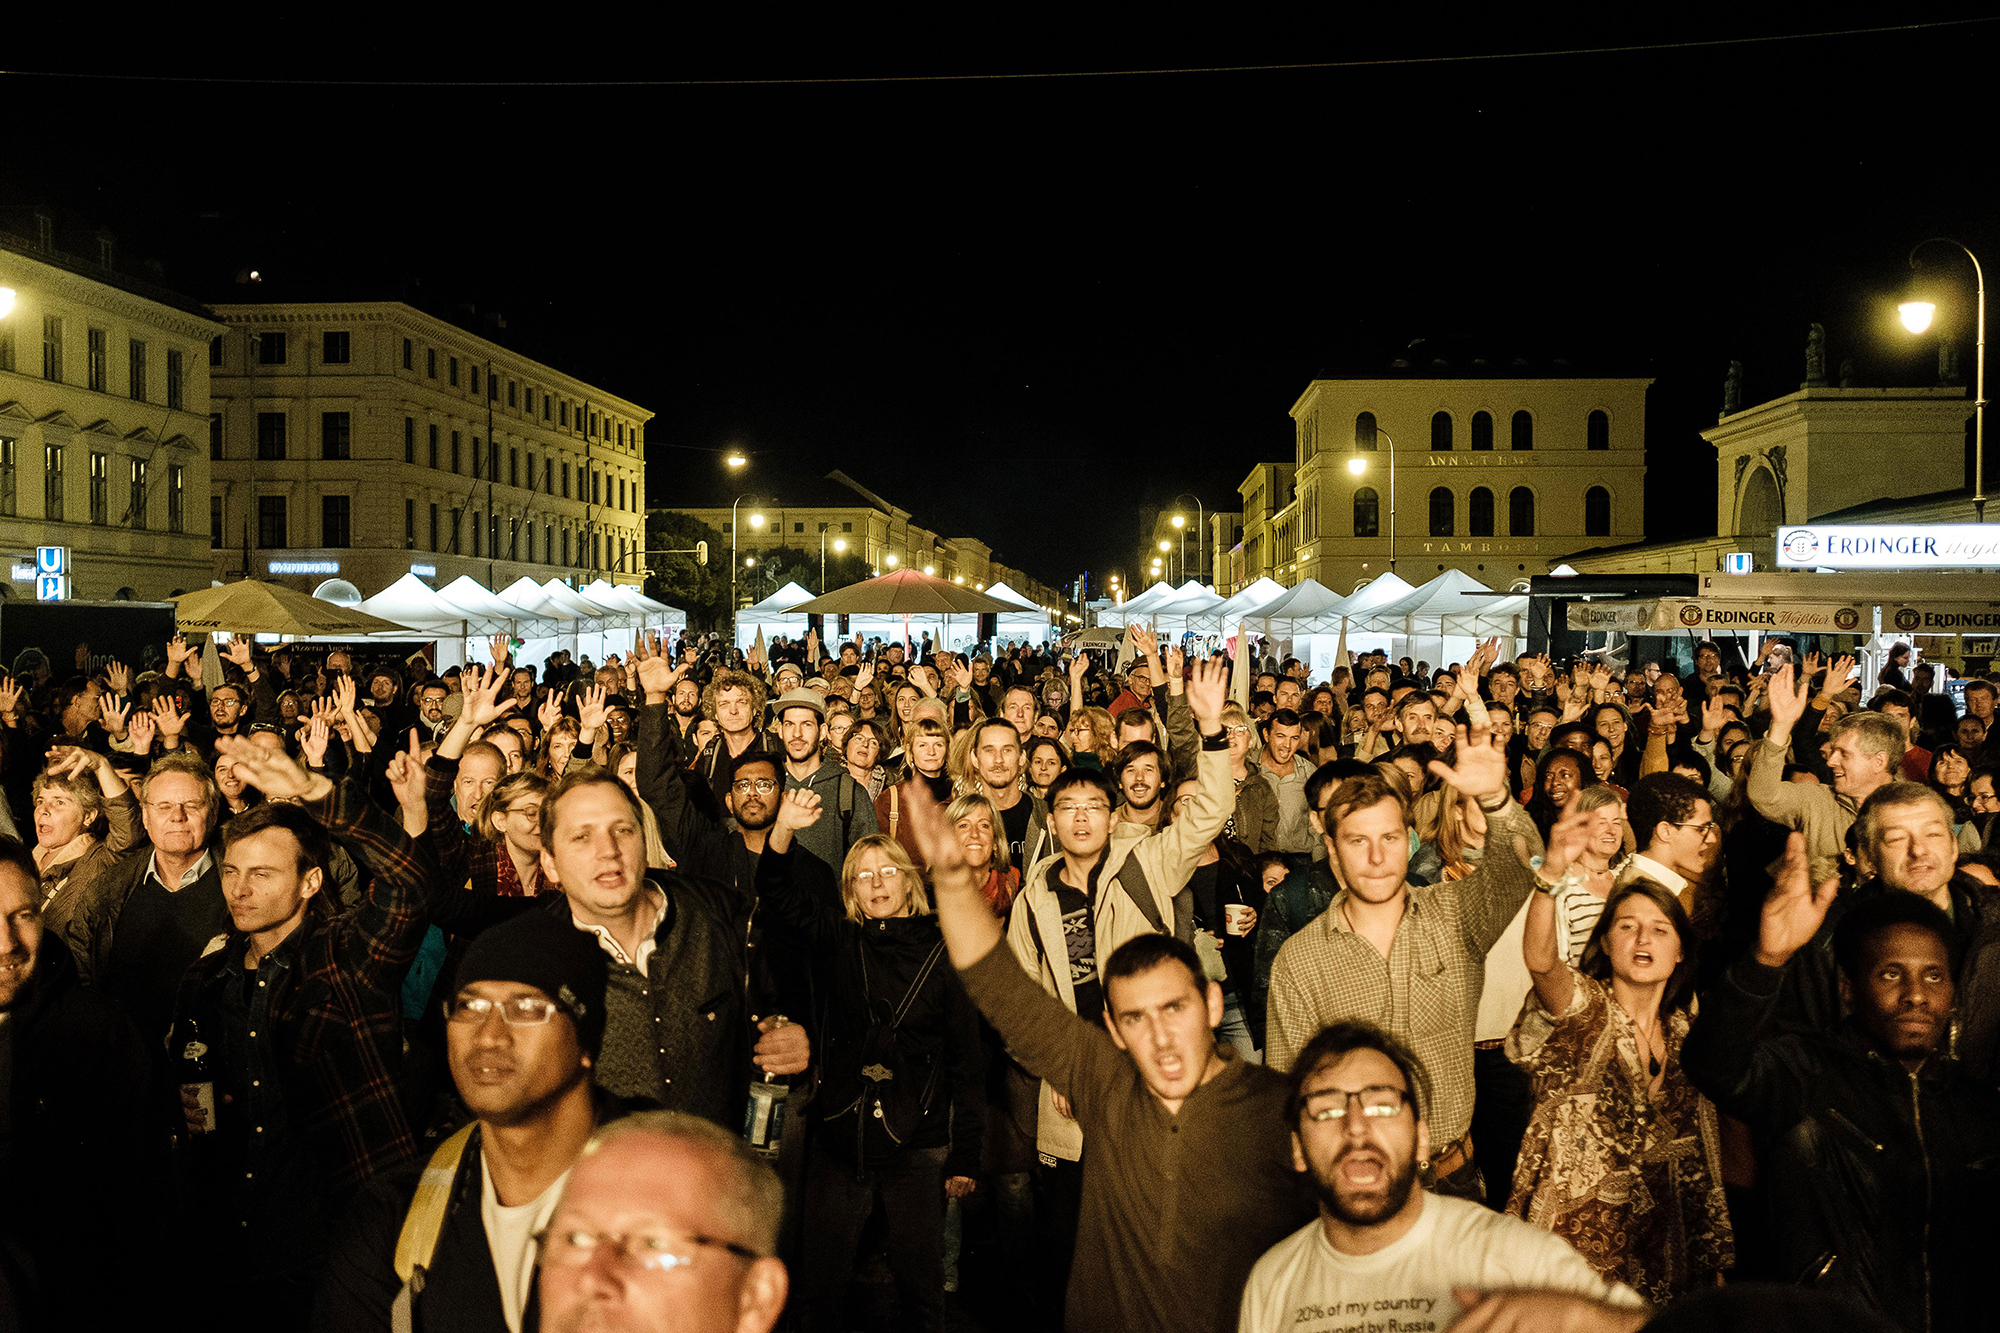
{"points": [[801, 719]]}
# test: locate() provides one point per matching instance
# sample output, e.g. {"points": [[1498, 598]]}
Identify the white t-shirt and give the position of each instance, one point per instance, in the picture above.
{"points": [[510, 1235], [1304, 1285]]}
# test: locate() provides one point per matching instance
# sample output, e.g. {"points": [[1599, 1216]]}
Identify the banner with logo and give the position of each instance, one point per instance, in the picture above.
{"points": [[1942, 618], [1890, 546], [1713, 615], [1624, 617]]}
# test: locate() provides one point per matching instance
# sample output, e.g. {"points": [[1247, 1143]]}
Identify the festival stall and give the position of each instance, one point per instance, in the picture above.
{"points": [[1030, 622], [774, 616], [1443, 620], [904, 605]]}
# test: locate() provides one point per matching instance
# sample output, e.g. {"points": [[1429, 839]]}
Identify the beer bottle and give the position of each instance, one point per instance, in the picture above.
{"points": [[197, 1078], [764, 1121]]}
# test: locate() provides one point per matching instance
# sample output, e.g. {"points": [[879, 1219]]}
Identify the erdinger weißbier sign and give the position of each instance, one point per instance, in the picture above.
{"points": [[1709, 615], [1890, 546]]}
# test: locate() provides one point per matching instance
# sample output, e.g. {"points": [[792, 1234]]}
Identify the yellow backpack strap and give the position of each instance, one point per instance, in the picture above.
{"points": [[425, 1219], [895, 815]]}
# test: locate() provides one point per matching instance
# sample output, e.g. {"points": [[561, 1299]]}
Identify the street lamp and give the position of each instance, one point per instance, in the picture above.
{"points": [[1166, 546], [1916, 318], [1358, 465], [735, 459], [840, 544], [756, 521], [1202, 573], [6, 302]]}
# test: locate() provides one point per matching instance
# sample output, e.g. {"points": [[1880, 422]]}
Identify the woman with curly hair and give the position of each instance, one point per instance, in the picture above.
{"points": [[1089, 737]]}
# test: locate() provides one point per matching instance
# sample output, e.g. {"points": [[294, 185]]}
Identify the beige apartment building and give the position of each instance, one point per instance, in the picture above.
{"points": [[364, 440], [1500, 470], [103, 400]]}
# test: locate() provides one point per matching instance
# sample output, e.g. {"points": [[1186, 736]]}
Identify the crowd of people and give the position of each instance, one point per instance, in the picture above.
{"points": [[680, 991]]}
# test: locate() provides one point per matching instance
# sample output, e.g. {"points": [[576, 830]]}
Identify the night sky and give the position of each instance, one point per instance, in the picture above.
{"points": [[1028, 308]]}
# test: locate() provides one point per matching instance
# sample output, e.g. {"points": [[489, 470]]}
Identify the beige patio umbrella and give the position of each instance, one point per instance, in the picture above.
{"points": [[251, 607]]}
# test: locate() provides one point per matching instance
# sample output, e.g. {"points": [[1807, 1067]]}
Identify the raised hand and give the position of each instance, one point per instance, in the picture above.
{"points": [[483, 703], [1146, 642], [238, 652], [119, 677], [865, 675], [313, 740], [1207, 692], [10, 700], [68, 761], [549, 713], [1794, 910], [920, 676], [590, 709], [343, 697], [177, 650], [140, 729], [1788, 699], [657, 675], [168, 717], [1838, 676], [405, 772], [111, 716], [800, 809], [1478, 770], [1567, 838], [961, 675], [502, 650], [1714, 717], [273, 772]]}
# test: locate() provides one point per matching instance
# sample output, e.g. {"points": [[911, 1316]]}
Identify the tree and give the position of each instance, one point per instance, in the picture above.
{"points": [[678, 580]]}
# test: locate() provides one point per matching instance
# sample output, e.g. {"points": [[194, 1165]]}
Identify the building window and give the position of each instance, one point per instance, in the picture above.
{"points": [[548, 475], [1444, 508], [409, 439], [493, 534], [52, 348], [1597, 432], [621, 499], [271, 436], [475, 532], [100, 488], [1367, 513], [215, 350], [1596, 512], [1521, 512], [434, 448], [271, 526], [798, 527], [271, 349], [456, 515], [333, 520], [333, 347], [1482, 435], [176, 498], [565, 558], [8, 461], [595, 493], [492, 389], [510, 393], [1441, 432], [514, 467], [409, 525], [136, 360], [1365, 431], [545, 407], [215, 522], [215, 434], [434, 527], [513, 538], [847, 527], [1479, 512], [174, 377], [407, 349], [565, 486], [492, 457], [94, 343], [563, 412], [477, 462], [530, 474], [548, 543], [529, 535], [431, 362], [454, 452], [136, 505], [1524, 431], [475, 379], [333, 434], [451, 376]]}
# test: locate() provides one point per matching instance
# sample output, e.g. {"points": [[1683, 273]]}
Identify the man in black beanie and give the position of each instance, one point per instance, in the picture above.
{"points": [[524, 1029]]}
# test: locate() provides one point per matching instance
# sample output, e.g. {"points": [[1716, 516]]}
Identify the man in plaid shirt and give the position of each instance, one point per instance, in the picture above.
{"points": [[298, 1009]]}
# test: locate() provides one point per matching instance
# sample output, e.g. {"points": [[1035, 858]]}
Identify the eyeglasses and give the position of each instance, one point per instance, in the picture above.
{"points": [[522, 1011], [1236, 730], [762, 786], [653, 1251], [167, 809], [1082, 808], [1377, 1103], [887, 875], [1708, 829]]}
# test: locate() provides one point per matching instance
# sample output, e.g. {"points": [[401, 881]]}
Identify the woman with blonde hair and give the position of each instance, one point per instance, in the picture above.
{"points": [[901, 1104], [983, 834], [510, 818], [1089, 737], [624, 761], [85, 819]]}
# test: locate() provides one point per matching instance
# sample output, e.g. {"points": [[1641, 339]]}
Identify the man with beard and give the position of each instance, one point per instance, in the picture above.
{"points": [[1383, 1248], [522, 1034], [1140, 784], [1193, 1180], [801, 718], [997, 759], [686, 712]]}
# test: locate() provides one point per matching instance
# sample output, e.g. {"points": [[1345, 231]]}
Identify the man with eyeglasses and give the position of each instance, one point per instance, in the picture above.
{"points": [[522, 1034], [300, 1013], [1386, 1253], [1674, 821], [667, 1224], [150, 916]]}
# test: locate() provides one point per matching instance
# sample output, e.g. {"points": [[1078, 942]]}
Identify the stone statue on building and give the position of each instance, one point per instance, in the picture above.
{"points": [[1847, 372], [1732, 389], [1815, 357], [1948, 368]]}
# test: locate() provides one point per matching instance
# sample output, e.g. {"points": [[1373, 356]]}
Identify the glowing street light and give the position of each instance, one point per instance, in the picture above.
{"points": [[735, 459], [1358, 464], [1180, 520], [756, 520], [6, 302], [892, 559], [1916, 315], [1916, 318], [930, 569]]}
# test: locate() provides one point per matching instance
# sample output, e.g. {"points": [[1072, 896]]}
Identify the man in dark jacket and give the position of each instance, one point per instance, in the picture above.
{"points": [[1880, 1151], [76, 1144], [801, 718], [523, 1031]]}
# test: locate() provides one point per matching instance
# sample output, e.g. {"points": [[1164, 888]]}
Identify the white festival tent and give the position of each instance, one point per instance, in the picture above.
{"points": [[569, 630], [410, 601], [475, 598], [1222, 619], [616, 626], [652, 614], [1453, 611], [1137, 606], [773, 616], [1031, 622], [1172, 616]]}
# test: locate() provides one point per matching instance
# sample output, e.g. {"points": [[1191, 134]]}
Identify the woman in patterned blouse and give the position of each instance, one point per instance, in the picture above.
{"points": [[1622, 1158]]}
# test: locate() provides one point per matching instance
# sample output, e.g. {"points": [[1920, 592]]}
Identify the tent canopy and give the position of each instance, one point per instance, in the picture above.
{"points": [[251, 606], [1309, 608], [1237, 606], [783, 600], [904, 592], [474, 598], [411, 601], [1452, 603], [1001, 592]]}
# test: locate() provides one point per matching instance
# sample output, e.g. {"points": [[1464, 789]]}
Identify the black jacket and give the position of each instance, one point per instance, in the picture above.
{"points": [[871, 966], [1882, 1182], [1811, 995]]}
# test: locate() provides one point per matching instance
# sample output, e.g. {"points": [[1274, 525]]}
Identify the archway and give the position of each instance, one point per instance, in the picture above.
{"points": [[1758, 509]]}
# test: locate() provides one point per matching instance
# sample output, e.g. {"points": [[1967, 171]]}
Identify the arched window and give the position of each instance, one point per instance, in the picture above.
{"points": [[1441, 432], [1482, 432], [1479, 512], [1367, 513], [1597, 509], [1597, 431], [1524, 431], [1444, 515], [1521, 513], [1364, 431]]}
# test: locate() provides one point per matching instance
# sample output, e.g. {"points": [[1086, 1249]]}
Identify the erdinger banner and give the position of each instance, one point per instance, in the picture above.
{"points": [[1942, 618], [1624, 617], [1890, 546], [1708, 615]]}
